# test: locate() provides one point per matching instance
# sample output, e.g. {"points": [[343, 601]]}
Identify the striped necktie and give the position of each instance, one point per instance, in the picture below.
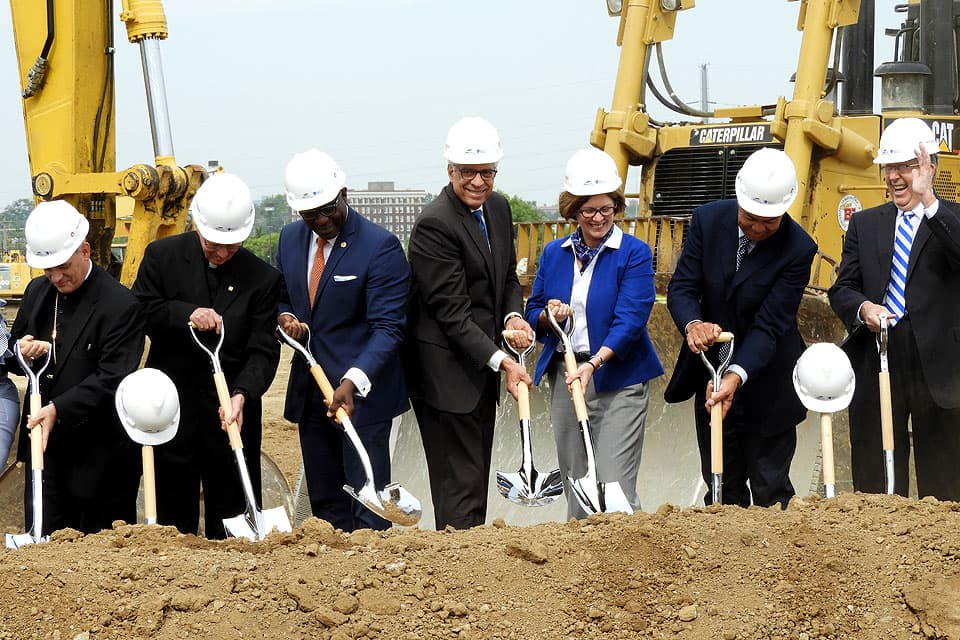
{"points": [[742, 249], [895, 298]]}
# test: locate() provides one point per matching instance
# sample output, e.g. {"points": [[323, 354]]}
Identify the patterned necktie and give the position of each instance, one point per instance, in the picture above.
{"points": [[478, 214], [742, 249], [895, 298], [316, 271]]}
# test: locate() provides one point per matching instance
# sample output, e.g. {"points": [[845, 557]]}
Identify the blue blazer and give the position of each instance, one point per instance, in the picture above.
{"points": [[358, 318], [758, 304], [619, 301]]}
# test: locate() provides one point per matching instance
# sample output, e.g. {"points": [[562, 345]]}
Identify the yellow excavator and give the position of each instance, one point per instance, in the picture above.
{"points": [[831, 140]]}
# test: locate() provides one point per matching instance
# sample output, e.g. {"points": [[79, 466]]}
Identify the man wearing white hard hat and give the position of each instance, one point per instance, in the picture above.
{"points": [[346, 279], [601, 280], [743, 269], [464, 293], [902, 259], [92, 327], [206, 278]]}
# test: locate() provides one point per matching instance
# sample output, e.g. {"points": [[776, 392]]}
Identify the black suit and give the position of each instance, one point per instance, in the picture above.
{"points": [[91, 467], [924, 349], [461, 292], [758, 303], [174, 279]]}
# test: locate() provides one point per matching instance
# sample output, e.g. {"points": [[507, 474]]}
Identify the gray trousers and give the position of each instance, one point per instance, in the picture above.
{"points": [[616, 427]]}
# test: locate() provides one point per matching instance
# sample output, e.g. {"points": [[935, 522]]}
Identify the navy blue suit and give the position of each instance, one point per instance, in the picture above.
{"points": [[759, 304], [357, 321]]}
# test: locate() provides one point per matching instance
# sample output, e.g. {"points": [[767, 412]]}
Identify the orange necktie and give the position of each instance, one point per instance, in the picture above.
{"points": [[316, 271]]}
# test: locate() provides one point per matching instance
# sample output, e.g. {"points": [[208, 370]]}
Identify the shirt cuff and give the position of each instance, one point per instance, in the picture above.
{"points": [[932, 211], [686, 327], [737, 369], [359, 380], [496, 359], [859, 309], [512, 314]]}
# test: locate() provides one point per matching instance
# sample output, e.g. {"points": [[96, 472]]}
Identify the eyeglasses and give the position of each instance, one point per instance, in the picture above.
{"points": [[605, 211], [904, 168], [468, 173], [326, 210]]}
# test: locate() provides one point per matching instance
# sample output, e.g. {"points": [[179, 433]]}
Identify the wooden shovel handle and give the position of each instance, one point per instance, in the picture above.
{"points": [[327, 390], [511, 333], [886, 412], [523, 401], [725, 336], [233, 431], [36, 435], [149, 485], [826, 448], [579, 404], [716, 438]]}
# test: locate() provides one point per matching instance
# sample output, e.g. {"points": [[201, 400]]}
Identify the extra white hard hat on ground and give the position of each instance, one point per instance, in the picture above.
{"points": [[901, 139], [823, 378], [223, 210], [591, 172], [767, 183], [472, 140], [312, 179], [54, 231], [148, 406]]}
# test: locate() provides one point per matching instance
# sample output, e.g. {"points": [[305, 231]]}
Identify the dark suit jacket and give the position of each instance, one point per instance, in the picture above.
{"points": [[100, 344], [933, 280], [461, 291], [358, 318], [758, 304], [172, 283]]}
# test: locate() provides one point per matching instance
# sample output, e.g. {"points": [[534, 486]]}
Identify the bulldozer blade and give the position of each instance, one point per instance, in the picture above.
{"points": [[393, 503], [600, 497], [537, 491]]}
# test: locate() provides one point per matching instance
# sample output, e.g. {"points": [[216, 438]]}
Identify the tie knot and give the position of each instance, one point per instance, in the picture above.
{"points": [[321, 242]]}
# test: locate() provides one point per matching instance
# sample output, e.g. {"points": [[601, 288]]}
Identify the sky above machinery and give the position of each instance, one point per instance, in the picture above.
{"points": [[377, 83]]}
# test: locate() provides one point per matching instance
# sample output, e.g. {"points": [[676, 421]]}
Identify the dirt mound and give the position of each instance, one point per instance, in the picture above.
{"points": [[852, 567]]}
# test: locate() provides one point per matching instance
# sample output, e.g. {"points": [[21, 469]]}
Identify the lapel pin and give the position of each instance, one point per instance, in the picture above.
{"points": [[230, 288], [343, 245]]}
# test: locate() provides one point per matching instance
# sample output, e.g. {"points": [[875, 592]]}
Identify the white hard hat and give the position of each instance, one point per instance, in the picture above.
{"points": [[312, 179], [54, 231], [591, 172], [223, 209], [901, 139], [472, 140], [823, 378], [767, 183], [148, 406]]}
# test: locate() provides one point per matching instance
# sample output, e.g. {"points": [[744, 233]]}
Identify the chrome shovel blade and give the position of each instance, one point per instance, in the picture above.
{"points": [[393, 503], [256, 526], [600, 497], [537, 491], [17, 540]]}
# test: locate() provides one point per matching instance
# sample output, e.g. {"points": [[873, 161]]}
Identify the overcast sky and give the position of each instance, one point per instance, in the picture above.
{"points": [[377, 83]]}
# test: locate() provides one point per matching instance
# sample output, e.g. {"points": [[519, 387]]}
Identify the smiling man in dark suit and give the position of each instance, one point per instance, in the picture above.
{"points": [[743, 269], [205, 277], [464, 292], [902, 258], [95, 329], [347, 279]]}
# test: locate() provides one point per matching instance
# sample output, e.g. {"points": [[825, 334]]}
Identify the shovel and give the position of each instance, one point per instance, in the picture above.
{"points": [[826, 448], [527, 486], [253, 524], [15, 541], [594, 496], [393, 503], [886, 404], [716, 419]]}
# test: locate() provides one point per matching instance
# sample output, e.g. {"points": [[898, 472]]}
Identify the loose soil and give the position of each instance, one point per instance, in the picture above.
{"points": [[851, 567]]}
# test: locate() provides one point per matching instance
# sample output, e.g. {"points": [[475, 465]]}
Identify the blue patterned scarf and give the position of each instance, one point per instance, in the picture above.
{"points": [[584, 253]]}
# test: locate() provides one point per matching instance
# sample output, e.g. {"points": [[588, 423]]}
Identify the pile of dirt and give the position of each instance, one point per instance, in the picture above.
{"points": [[851, 567]]}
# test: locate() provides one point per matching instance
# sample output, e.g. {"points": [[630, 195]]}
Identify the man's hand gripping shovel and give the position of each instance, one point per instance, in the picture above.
{"points": [[716, 418], [393, 503], [15, 541], [254, 523], [886, 403], [594, 496], [527, 486]]}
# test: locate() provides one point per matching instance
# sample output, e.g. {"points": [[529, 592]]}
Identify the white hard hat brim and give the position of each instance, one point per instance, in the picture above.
{"points": [[235, 236], [314, 201], [818, 404], [152, 438], [932, 148], [774, 210], [51, 260]]}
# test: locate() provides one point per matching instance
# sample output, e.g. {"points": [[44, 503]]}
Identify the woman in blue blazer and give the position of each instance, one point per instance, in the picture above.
{"points": [[603, 280]]}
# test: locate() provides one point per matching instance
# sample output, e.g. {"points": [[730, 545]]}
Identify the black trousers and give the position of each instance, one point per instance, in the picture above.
{"points": [[330, 461], [458, 448], [749, 458], [936, 431]]}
